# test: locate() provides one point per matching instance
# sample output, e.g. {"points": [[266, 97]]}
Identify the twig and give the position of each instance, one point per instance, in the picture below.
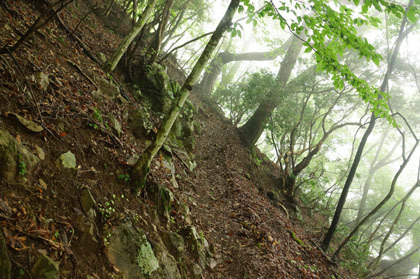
{"points": [[80, 70]]}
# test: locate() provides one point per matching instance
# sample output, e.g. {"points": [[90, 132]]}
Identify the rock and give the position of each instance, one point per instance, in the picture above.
{"points": [[130, 251], [146, 259], [86, 231], [42, 79], [197, 244], [133, 159], [159, 89], [168, 264], [164, 200], [175, 244], [29, 124], [115, 124], [15, 159], [169, 165], [106, 89], [197, 271], [5, 265], [139, 122], [8, 151], [87, 200], [67, 160], [45, 268]]}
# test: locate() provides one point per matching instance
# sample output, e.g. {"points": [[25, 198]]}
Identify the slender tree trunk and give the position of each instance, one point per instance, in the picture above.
{"points": [[112, 62], [157, 42], [253, 128], [374, 167], [142, 167], [108, 10], [39, 23], [328, 237]]}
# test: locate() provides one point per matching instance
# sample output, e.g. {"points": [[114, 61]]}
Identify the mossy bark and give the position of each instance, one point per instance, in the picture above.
{"points": [[112, 62], [252, 130], [142, 166]]}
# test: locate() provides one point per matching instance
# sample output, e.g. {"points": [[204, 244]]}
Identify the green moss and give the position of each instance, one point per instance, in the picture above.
{"points": [[146, 259]]}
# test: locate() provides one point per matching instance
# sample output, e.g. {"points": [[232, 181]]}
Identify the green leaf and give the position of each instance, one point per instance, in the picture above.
{"points": [[308, 49], [376, 60], [412, 14]]}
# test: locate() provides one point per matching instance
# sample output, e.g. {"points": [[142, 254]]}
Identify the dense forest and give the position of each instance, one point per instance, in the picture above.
{"points": [[209, 139]]}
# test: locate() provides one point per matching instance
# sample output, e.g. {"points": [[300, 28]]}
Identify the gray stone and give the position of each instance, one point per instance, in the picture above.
{"points": [[8, 152], [197, 271], [115, 124], [106, 89], [164, 200], [45, 268], [139, 122], [160, 90], [14, 158], [175, 244], [87, 200], [197, 245], [169, 165], [168, 264], [130, 251], [5, 265], [67, 160]]}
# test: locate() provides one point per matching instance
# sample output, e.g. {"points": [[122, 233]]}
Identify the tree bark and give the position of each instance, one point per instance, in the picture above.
{"points": [[39, 23], [157, 42], [209, 79], [142, 167], [253, 128], [112, 62], [328, 237], [373, 168]]}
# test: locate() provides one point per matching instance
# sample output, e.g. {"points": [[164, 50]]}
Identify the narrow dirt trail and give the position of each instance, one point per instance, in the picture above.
{"points": [[252, 238]]}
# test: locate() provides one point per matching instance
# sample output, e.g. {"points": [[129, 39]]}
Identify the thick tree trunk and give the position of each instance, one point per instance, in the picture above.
{"points": [[328, 237], [252, 130], [142, 166], [112, 62]]}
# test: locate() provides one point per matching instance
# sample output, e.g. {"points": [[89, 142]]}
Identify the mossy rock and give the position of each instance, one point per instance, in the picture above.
{"points": [[130, 251], [45, 268], [175, 244], [15, 159], [159, 89], [139, 122]]}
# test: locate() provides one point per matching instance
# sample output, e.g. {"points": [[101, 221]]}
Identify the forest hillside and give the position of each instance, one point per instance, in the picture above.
{"points": [[135, 144]]}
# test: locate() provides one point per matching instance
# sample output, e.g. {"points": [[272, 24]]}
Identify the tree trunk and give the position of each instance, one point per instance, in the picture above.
{"points": [[112, 62], [253, 128], [374, 167], [157, 42], [41, 21], [209, 79], [328, 237], [142, 166]]}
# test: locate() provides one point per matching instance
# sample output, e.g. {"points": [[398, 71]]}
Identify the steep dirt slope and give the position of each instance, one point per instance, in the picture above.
{"points": [[253, 238], [41, 211]]}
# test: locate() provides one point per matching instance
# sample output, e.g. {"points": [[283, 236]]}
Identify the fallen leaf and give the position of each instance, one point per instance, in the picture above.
{"points": [[29, 124]]}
